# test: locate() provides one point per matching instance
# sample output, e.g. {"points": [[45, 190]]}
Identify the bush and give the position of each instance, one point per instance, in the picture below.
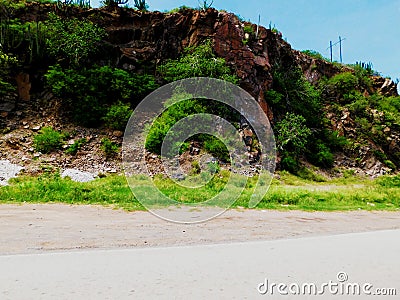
{"points": [[292, 134], [94, 88], [320, 155], [389, 181], [118, 116], [289, 163], [182, 109], [71, 39], [109, 147], [48, 140], [315, 54], [73, 149], [197, 61], [310, 175], [196, 169], [342, 84], [6, 63], [248, 29], [213, 167], [216, 147], [173, 114], [293, 93]]}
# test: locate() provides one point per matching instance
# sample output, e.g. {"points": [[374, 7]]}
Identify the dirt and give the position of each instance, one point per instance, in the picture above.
{"points": [[37, 228]]}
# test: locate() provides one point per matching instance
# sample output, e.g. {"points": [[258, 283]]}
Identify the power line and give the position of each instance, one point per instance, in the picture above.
{"points": [[331, 45]]}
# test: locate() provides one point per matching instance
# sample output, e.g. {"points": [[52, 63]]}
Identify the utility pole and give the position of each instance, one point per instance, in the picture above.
{"points": [[340, 49]]}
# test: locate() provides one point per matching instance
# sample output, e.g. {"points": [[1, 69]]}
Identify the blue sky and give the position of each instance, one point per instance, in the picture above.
{"points": [[371, 27]]}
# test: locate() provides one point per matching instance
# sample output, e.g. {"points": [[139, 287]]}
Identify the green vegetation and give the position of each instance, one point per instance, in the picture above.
{"points": [[74, 148], [315, 54], [289, 192], [197, 61], [182, 109], [110, 148], [118, 116], [300, 119], [6, 63], [109, 191], [48, 140], [72, 41], [88, 92], [179, 9]]}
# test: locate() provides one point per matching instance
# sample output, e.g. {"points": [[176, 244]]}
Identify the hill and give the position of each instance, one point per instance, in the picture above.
{"points": [[73, 75]]}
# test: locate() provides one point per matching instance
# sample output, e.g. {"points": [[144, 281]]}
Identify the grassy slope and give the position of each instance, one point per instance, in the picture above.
{"points": [[289, 192]]}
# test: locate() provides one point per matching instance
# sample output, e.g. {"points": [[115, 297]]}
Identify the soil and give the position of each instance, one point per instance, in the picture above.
{"points": [[37, 228]]}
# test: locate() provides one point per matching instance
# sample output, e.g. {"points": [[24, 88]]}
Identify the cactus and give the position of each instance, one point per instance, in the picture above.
{"points": [[140, 5], [204, 5]]}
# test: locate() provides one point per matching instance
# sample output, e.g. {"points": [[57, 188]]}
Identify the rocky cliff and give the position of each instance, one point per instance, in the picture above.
{"points": [[143, 40]]}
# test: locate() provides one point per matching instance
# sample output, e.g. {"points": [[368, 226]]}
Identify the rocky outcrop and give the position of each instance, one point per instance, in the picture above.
{"points": [[384, 86]]}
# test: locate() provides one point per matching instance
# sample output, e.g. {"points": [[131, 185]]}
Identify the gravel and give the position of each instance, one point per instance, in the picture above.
{"points": [[8, 171], [77, 175]]}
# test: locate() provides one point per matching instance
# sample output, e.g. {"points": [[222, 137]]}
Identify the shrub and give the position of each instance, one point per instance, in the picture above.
{"points": [[289, 163], [118, 116], [321, 155], [72, 39], [110, 148], [6, 63], [358, 103], [292, 134], [315, 54], [342, 84], [213, 167], [248, 29], [297, 95], [115, 3], [94, 88], [196, 169], [310, 175], [389, 181], [216, 147], [48, 140], [179, 9], [173, 114], [334, 141], [197, 61], [73, 149]]}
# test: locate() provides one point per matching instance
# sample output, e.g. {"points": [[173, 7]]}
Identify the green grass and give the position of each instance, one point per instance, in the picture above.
{"points": [[286, 193]]}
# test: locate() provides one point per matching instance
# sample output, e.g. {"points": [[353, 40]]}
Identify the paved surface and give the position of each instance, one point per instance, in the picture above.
{"points": [[231, 271], [54, 227]]}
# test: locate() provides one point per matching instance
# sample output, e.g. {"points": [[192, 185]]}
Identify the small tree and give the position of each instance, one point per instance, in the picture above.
{"points": [[292, 134]]}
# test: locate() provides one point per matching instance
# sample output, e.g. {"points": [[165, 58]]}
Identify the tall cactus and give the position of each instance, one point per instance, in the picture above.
{"points": [[205, 4], [140, 5]]}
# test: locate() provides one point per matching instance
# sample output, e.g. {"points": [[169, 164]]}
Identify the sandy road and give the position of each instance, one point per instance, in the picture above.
{"points": [[54, 227]]}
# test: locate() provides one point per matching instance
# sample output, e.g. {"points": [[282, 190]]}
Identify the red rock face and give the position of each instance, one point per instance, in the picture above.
{"points": [[152, 37]]}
